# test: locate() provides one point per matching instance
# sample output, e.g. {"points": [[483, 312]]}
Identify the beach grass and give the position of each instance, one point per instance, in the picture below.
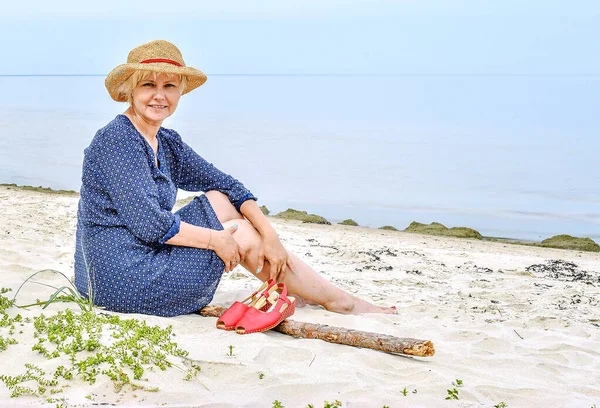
{"points": [[436, 228], [41, 189], [291, 214]]}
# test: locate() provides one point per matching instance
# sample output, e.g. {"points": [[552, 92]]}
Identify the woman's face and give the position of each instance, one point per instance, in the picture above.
{"points": [[155, 98]]}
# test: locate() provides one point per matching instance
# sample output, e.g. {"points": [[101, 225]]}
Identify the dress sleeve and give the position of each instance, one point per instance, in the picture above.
{"points": [[197, 174], [122, 169]]}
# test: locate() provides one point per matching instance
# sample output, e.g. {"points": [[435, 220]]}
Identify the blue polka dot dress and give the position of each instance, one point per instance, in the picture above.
{"points": [[125, 218]]}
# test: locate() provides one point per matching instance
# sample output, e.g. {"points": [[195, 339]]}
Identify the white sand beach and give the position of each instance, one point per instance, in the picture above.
{"points": [[527, 338]]}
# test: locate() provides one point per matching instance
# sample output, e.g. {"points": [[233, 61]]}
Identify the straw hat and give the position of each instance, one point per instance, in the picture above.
{"points": [[157, 56]]}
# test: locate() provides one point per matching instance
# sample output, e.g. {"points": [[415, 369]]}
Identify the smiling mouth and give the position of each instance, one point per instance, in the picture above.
{"points": [[158, 106]]}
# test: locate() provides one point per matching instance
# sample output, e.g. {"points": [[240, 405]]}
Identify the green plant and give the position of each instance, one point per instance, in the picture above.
{"points": [[327, 404], [452, 394], [124, 352], [5, 303], [277, 404], [230, 350], [62, 294], [6, 321], [192, 372], [503, 405], [60, 403], [32, 373], [5, 342], [261, 376], [135, 346], [458, 383], [404, 391]]}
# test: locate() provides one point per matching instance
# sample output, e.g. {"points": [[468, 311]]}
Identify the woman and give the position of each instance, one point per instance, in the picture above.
{"points": [[133, 254]]}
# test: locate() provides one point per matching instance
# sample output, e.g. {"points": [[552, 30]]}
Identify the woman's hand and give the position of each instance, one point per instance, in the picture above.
{"points": [[273, 251], [226, 247]]}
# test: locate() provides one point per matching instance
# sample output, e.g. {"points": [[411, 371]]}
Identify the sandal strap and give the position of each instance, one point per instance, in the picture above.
{"points": [[264, 288]]}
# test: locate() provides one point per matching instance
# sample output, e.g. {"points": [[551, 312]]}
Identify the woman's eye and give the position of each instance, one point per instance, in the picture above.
{"points": [[147, 84], [170, 85]]}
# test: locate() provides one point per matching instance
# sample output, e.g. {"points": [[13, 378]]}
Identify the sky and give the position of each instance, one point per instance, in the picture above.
{"points": [[402, 37]]}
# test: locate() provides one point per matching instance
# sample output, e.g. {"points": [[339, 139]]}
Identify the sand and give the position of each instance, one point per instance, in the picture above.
{"points": [[528, 337]]}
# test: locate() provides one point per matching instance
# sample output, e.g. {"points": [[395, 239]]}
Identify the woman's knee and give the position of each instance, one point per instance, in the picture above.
{"points": [[246, 235], [222, 206]]}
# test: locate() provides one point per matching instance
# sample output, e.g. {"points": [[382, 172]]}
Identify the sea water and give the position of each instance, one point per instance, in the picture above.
{"points": [[511, 156]]}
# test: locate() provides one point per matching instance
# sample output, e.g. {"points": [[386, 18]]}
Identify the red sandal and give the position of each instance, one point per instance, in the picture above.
{"points": [[229, 319], [255, 320]]}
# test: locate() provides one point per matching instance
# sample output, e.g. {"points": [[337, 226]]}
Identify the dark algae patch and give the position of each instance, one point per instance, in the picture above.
{"points": [[435, 228], [291, 214], [568, 242], [349, 222], [564, 271]]}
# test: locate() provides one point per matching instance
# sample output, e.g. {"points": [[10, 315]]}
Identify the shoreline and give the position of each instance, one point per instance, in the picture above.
{"points": [[182, 201], [498, 307]]}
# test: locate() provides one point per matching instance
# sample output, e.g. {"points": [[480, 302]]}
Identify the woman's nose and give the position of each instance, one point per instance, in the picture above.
{"points": [[159, 93]]}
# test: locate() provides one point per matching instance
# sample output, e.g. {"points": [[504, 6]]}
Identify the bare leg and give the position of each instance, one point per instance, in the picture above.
{"points": [[306, 283]]}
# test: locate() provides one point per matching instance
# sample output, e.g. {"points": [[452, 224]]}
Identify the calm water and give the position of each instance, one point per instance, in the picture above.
{"points": [[509, 156]]}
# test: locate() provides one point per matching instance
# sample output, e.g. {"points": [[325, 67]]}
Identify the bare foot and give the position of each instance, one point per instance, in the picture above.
{"points": [[362, 306], [352, 305]]}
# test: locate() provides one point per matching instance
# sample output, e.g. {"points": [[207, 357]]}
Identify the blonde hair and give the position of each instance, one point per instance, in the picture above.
{"points": [[127, 87]]}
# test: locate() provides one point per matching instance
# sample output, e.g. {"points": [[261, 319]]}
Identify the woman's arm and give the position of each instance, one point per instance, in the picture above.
{"points": [[253, 213], [271, 249], [192, 236], [194, 173]]}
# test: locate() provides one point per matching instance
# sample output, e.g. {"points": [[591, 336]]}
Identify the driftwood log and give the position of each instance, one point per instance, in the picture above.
{"points": [[340, 335]]}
